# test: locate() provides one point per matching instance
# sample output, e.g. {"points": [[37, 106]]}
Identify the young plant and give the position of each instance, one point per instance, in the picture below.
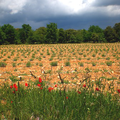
{"points": [[2, 64], [67, 63], [28, 64], [109, 63], [53, 63]]}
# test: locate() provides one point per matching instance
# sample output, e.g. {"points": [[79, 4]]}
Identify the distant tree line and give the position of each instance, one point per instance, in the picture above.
{"points": [[51, 34]]}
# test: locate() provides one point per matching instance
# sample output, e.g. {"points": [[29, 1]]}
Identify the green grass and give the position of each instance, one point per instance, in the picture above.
{"points": [[14, 78], [32, 101]]}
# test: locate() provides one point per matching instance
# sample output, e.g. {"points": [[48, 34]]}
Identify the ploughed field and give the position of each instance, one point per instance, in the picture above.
{"points": [[74, 65]]}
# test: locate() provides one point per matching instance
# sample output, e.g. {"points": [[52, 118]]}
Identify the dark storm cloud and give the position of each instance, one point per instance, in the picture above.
{"points": [[85, 21], [67, 14], [106, 2]]}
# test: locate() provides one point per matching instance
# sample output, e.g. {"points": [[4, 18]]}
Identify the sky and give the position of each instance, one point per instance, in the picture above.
{"points": [[67, 14]]}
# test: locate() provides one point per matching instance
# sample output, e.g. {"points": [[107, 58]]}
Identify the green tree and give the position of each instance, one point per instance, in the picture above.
{"points": [[95, 29], [70, 35], [110, 34], [96, 34], [94, 37], [40, 35], [18, 40], [117, 30], [72, 39], [86, 35], [2, 37], [24, 32], [51, 35], [79, 36], [10, 33], [61, 34], [30, 39]]}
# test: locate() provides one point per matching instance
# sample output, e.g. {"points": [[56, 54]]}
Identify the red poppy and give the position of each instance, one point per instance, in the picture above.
{"points": [[16, 89], [79, 92], [66, 97], [97, 89], [11, 101], [11, 86], [15, 86], [56, 85], [118, 90], [50, 88], [39, 85], [13, 91], [40, 80], [41, 88], [84, 85], [26, 84]]}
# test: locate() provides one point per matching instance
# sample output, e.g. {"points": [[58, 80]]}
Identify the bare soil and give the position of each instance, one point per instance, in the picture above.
{"points": [[92, 56]]}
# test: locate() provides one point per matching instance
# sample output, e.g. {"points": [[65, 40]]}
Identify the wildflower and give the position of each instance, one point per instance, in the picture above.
{"points": [[79, 92], [11, 86], [84, 85], [39, 85], [41, 88], [16, 89], [15, 86], [66, 97], [26, 84], [13, 91], [118, 90], [40, 80], [50, 88], [11, 101], [97, 89], [56, 85]]}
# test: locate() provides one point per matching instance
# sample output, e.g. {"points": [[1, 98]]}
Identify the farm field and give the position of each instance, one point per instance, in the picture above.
{"points": [[60, 81], [54, 63]]}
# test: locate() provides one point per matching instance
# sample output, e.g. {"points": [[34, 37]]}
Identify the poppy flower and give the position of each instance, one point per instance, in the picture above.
{"points": [[15, 86], [39, 85], [84, 85], [11, 86], [16, 89], [41, 88], [56, 85], [40, 80], [26, 84], [118, 90], [11, 101], [79, 92], [66, 97], [13, 91], [50, 88], [97, 89]]}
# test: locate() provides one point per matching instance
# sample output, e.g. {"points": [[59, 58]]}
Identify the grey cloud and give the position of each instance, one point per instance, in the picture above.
{"points": [[106, 2], [38, 13]]}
